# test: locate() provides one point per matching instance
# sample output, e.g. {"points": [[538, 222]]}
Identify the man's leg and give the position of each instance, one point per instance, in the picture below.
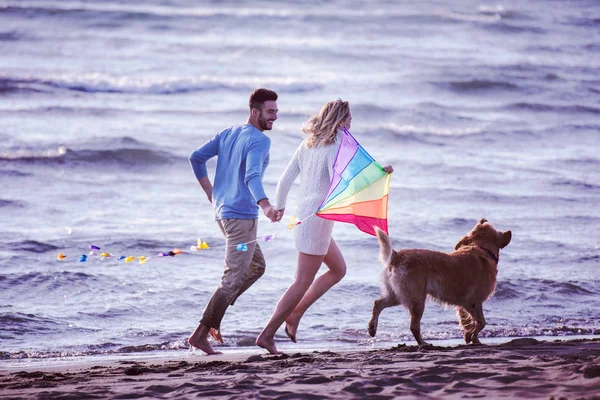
{"points": [[256, 270], [236, 268]]}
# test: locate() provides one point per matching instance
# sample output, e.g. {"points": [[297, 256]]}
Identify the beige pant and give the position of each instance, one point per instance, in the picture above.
{"points": [[242, 268]]}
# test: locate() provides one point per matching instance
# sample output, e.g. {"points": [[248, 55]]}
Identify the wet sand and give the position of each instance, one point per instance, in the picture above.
{"points": [[520, 368]]}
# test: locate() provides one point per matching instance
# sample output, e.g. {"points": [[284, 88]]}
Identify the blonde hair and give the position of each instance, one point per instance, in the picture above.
{"points": [[322, 128]]}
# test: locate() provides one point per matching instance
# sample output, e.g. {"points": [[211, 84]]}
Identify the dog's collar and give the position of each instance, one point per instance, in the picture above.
{"points": [[494, 257]]}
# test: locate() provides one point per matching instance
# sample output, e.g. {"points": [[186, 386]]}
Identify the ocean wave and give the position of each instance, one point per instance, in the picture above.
{"points": [[492, 331], [500, 10], [33, 281], [13, 36], [413, 130], [478, 85], [507, 290], [11, 173], [103, 83], [107, 348], [594, 46], [150, 12], [540, 289], [547, 289], [584, 21], [32, 246], [8, 86], [20, 323], [575, 184], [513, 28], [11, 203], [130, 158], [540, 107], [114, 312]]}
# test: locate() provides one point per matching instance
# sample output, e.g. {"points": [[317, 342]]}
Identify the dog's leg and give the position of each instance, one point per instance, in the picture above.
{"points": [[416, 313], [467, 322], [378, 306], [480, 322]]}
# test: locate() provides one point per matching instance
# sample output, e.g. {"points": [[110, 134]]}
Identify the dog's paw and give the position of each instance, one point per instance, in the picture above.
{"points": [[468, 337], [372, 329]]}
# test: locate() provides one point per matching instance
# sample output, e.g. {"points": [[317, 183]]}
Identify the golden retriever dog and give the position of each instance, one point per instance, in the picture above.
{"points": [[464, 278]]}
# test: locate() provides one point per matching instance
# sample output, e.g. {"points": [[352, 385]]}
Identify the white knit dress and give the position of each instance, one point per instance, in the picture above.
{"points": [[315, 167]]}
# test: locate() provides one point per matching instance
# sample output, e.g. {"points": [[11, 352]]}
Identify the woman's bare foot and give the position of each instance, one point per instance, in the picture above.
{"points": [[289, 333], [291, 326], [267, 344], [203, 345]]}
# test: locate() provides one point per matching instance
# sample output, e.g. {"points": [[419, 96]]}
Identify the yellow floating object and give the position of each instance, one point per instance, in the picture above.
{"points": [[129, 259], [142, 259], [200, 245], [105, 255], [293, 222], [60, 256]]}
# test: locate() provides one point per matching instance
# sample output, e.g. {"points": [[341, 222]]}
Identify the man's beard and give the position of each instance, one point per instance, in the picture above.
{"points": [[263, 123]]}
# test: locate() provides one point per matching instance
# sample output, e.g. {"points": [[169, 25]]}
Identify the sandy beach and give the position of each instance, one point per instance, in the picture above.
{"points": [[520, 368]]}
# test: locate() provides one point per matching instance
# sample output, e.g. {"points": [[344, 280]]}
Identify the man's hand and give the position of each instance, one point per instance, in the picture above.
{"points": [[389, 169], [207, 187], [268, 210]]}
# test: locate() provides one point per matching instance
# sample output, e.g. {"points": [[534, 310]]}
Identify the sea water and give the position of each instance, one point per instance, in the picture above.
{"points": [[484, 109]]}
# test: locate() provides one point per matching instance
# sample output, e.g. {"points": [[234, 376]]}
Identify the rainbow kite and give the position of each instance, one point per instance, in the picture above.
{"points": [[358, 193]]}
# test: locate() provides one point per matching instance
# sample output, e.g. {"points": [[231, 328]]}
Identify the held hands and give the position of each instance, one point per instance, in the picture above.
{"points": [[389, 169], [269, 211], [280, 214]]}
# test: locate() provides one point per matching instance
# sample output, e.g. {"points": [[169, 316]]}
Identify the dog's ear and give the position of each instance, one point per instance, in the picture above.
{"points": [[463, 242], [506, 236]]}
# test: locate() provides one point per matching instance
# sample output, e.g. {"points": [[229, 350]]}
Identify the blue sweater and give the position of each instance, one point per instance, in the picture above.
{"points": [[243, 156]]}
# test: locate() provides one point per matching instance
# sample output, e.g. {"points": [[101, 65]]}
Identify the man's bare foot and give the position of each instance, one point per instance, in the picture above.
{"points": [[267, 344], [215, 334], [203, 345]]}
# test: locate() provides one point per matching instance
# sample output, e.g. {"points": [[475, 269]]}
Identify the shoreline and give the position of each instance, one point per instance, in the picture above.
{"points": [[524, 367], [232, 353]]}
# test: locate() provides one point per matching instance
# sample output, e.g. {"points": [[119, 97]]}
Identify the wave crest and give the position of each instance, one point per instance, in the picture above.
{"points": [[103, 83]]}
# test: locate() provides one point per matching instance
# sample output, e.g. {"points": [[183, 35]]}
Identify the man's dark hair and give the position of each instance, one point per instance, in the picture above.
{"points": [[259, 96]]}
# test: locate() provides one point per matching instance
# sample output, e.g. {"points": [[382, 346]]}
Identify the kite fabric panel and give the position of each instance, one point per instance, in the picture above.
{"points": [[359, 188]]}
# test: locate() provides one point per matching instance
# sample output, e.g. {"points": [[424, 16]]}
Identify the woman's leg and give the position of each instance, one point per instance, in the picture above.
{"points": [[337, 270], [308, 266]]}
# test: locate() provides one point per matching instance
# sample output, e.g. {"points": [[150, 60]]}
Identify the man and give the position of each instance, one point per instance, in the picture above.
{"points": [[243, 156]]}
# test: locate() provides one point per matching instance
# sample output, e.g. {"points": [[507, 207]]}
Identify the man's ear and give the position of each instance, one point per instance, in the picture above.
{"points": [[255, 112]]}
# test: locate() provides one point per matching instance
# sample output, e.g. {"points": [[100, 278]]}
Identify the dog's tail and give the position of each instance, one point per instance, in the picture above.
{"points": [[385, 247]]}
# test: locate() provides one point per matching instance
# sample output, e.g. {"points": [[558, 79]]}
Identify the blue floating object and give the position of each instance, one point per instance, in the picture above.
{"points": [[242, 247], [122, 258], [92, 247], [83, 258]]}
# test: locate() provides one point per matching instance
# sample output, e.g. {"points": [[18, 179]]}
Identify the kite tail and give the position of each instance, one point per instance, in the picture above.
{"points": [[385, 247]]}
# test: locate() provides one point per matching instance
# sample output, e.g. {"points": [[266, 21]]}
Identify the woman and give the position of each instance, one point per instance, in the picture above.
{"points": [[313, 161]]}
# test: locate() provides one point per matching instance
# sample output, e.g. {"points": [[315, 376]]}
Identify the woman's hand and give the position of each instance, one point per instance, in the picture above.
{"points": [[280, 214], [389, 169]]}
